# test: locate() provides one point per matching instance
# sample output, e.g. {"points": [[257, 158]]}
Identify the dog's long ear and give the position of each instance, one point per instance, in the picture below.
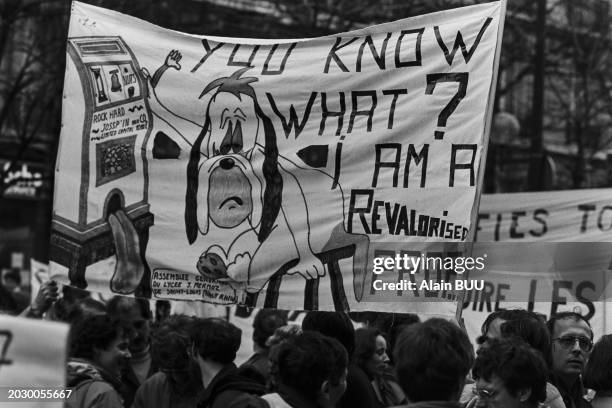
{"points": [[202, 215], [255, 216], [191, 202], [273, 193]]}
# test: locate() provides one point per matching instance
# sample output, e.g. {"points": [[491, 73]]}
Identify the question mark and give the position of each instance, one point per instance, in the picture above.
{"points": [[432, 81]]}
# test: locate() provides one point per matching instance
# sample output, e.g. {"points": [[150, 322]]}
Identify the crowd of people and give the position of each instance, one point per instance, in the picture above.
{"points": [[122, 356]]}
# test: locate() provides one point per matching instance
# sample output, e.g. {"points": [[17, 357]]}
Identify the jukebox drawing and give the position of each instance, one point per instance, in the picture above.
{"points": [[106, 123]]}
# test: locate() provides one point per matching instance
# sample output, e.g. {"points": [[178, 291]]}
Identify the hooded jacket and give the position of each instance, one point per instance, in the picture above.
{"points": [[93, 386]]}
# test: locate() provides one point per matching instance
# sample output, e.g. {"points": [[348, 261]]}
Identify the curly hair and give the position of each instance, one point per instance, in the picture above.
{"points": [[93, 332], [516, 364]]}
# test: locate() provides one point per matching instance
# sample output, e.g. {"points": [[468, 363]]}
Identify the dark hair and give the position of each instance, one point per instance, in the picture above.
{"points": [[516, 364], [432, 359], [365, 346], [170, 342], [120, 305], [508, 315], [598, 371], [532, 331], [550, 324], [305, 361], [84, 308], [217, 340], [93, 332], [265, 323], [340, 360], [392, 325], [336, 325], [14, 275], [162, 307], [72, 294], [7, 302]]}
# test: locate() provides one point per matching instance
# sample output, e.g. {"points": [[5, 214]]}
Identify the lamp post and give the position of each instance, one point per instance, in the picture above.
{"points": [[537, 151]]}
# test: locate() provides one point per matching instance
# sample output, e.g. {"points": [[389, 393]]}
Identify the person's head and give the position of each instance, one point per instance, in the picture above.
{"points": [[336, 325], [532, 331], [162, 310], [398, 323], [491, 327], [7, 302], [171, 341], [598, 372], [86, 307], [509, 374], [432, 360], [370, 351], [572, 340], [216, 341], [313, 364], [136, 314], [12, 279], [283, 333], [101, 340], [389, 324], [265, 323]]}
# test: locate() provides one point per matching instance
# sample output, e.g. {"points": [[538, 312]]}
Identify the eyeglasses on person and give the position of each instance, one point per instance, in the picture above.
{"points": [[584, 343]]}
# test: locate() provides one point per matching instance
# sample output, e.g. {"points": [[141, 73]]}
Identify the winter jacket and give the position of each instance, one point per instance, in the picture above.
{"points": [[158, 392], [432, 404], [573, 396], [130, 382], [260, 364], [93, 386]]}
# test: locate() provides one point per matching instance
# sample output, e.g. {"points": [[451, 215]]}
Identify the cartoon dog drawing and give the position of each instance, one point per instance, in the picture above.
{"points": [[237, 187], [247, 205]]}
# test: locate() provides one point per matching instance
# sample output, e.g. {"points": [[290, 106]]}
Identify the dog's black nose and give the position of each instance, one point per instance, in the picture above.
{"points": [[227, 163]]}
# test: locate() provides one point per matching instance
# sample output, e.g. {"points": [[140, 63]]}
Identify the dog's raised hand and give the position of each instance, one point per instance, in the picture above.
{"points": [[173, 58], [309, 266]]}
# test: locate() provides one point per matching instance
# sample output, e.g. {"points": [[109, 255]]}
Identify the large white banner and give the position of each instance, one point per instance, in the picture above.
{"points": [[555, 216], [33, 357], [269, 172], [547, 252]]}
